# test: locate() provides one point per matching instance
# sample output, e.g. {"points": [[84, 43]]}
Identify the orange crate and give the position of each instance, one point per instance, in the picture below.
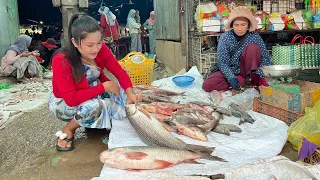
{"points": [[282, 114]]}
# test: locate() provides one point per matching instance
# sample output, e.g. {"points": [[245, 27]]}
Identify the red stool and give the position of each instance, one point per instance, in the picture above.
{"points": [[118, 45]]}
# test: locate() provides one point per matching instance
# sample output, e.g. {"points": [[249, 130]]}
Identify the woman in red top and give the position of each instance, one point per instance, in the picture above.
{"points": [[110, 26], [82, 94]]}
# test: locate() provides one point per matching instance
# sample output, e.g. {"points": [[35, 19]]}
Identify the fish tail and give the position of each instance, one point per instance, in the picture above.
{"points": [[213, 158], [200, 149]]}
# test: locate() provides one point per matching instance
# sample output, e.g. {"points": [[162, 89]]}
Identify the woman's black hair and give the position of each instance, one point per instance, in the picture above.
{"points": [[80, 26]]}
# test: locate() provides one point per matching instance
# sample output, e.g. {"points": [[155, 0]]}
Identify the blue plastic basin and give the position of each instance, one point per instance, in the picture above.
{"points": [[183, 81]]}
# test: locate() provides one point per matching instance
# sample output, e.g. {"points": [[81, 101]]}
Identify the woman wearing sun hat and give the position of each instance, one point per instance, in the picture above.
{"points": [[46, 50], [241, 53]]}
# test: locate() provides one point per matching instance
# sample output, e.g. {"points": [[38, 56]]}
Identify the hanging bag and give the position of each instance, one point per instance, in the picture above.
{"points": [[288, 54]]}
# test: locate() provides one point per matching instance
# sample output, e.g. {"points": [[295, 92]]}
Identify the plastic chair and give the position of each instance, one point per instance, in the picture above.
{"points": [[118, 45]]}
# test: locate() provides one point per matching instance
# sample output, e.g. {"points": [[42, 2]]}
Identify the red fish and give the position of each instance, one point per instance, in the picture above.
{"points": [[171, 106], [156, 110]]}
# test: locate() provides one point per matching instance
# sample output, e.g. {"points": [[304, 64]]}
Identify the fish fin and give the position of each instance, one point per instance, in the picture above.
{"points": [[135, 155], [163, 164], [145, 112], [200, 149], [213, 158], [228, 132], [192, 161]]}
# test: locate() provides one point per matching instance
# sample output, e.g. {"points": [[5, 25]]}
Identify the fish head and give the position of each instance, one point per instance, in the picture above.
{"points": [[131, 109], [110, 156]]}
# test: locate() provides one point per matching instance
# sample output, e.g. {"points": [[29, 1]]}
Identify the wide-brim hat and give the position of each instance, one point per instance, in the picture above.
{"points": [[242, 11], [50, 43]]}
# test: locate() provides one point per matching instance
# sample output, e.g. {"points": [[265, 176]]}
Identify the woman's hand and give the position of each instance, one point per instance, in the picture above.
{"points": [[112, 87], [131, 97], [24, 54], [35, 53]]}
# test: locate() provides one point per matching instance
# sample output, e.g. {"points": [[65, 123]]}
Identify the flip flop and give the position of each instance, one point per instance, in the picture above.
{"points": [[63, 149]]}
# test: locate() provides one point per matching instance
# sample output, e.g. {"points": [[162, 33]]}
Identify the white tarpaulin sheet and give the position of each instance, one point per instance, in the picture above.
{"points": [[263, 139], [278, 167]]}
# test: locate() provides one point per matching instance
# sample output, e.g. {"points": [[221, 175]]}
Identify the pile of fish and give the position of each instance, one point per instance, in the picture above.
{"points": [[195, 119], [154, 120]]}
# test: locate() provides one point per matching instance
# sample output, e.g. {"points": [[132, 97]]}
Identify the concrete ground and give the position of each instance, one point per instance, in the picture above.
{"points": [[27, 149]]}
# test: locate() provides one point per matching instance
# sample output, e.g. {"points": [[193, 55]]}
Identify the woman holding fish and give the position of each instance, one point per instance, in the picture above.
{"points": [[82, 94], [241, 53]]}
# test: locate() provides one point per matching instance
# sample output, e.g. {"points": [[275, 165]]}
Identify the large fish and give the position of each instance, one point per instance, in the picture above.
{"points": [[166, 92], [238, 112], [152, 133], [146, 157], [156, 109], [171, 106]]}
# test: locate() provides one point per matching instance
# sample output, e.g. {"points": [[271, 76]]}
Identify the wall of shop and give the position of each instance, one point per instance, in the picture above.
{"points": [[9, 19], [171, 33]]}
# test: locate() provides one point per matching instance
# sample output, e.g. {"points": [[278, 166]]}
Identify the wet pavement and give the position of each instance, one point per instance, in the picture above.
{"points": [[27, 148]]}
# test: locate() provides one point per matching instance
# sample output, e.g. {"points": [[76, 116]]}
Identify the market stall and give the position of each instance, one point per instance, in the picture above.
{"points": [[276, 19]]}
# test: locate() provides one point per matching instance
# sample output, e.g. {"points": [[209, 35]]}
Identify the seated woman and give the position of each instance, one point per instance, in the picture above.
{"points": [[20, 63], [82, 94], [241, 52]]}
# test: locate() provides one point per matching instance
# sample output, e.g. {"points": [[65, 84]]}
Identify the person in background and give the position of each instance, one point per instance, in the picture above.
{"points": [[27, 33], [46, 50], [51, 32], [82, 94], [20, 63], [149, 24], [110, 27], [241, 53], [44, 34], [134, 31], [137, 17]]}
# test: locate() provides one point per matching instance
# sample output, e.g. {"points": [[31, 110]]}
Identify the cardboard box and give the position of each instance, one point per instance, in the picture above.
{"points": [[285, 98]]}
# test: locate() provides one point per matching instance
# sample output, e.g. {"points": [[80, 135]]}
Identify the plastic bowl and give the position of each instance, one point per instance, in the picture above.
{"points": [[183, 81]]}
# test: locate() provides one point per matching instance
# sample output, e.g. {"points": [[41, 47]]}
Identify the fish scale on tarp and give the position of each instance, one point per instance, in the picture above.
{"points": [[262, 139]]}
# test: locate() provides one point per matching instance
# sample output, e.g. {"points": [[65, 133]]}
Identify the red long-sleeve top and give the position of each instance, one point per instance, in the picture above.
{"points": [[65, 87]]}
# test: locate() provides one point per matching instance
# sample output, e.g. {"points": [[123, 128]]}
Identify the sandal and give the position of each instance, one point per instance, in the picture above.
{"points": [[59, 148]]}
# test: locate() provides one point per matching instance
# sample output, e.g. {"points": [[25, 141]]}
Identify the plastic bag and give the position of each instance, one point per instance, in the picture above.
{"points": [[262, 18], [316, 21], [276, 21], [223, 10], [207, 10], [307, 127], [307, 16], [290, 23]]}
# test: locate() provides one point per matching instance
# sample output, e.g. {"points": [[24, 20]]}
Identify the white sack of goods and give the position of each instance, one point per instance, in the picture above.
{"points": [[211, 25], [276, 21], [204, 11]]}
